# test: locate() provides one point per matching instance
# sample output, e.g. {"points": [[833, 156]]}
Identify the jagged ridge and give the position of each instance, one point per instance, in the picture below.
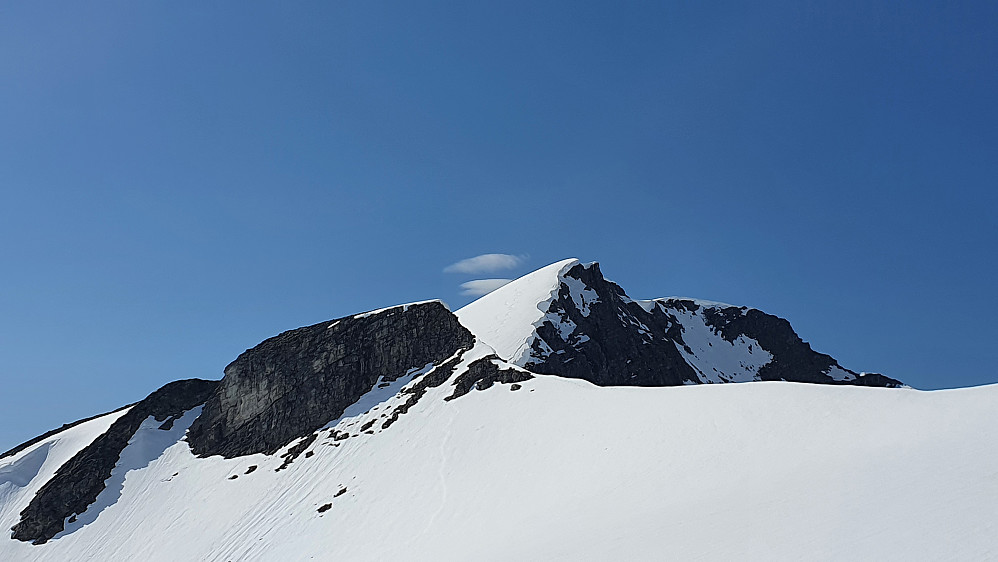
{"points": [[582, 325]]}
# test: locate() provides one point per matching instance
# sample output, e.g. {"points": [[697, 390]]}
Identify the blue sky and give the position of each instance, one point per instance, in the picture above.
{"points": [[180, 182]]}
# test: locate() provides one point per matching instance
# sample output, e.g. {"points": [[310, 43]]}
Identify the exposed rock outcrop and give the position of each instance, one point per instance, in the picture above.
{"points": [[594, 331], [483, 373], [294, 383], [793, 358], [78, 482], [600, 335]]}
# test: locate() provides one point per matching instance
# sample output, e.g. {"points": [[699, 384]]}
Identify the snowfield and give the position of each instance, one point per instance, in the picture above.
{"points": [[564, 470]]}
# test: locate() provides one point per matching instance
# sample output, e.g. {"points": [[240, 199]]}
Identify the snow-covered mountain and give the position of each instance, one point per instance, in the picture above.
{"points": [[566, 319], [555, 418]]}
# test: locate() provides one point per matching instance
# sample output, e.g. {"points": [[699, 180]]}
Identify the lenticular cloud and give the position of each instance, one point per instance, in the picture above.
{"points": [[485, 263], [478, 287]]}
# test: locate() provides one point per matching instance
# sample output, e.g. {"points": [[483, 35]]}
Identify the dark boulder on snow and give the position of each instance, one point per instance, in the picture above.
{"points": [[485, 372]]}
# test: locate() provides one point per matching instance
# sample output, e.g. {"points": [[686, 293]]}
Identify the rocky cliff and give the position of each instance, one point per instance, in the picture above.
{"points": [[296, 382]]}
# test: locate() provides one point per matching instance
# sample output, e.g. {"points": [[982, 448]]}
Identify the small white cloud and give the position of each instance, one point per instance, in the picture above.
{"points": [[479, 287], [485, 263]]}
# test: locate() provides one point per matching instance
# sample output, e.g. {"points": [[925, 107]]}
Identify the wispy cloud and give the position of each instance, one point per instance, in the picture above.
{"points": [[479, 287], [485, 263]]}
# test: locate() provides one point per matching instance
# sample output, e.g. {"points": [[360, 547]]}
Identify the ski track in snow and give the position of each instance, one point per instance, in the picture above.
{"points": [[441, 473]]}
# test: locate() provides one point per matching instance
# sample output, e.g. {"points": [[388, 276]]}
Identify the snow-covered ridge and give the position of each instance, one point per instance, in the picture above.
{"points": [[567, 319], [404, 308], [506, 319], [23, 474]]}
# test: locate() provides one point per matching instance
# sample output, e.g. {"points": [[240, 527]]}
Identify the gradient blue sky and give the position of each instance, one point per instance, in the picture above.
{"points": [[182, 180]]}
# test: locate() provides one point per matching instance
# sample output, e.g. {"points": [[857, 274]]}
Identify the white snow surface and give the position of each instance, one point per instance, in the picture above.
{"points": [[506, 319], [564, 470]]}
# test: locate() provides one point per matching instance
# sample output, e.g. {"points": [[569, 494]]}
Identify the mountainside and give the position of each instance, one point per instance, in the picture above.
{"points": [[534, 423], [567, 320]]}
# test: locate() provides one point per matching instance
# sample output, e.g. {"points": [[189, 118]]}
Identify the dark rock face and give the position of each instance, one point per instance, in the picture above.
{"points": [[607, 347], [78, 482], [793, 358], [294, 383], [612, 340]]}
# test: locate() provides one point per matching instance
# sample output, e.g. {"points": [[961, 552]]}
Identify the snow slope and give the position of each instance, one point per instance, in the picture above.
{"points": [[507, 318], [563, 470]]}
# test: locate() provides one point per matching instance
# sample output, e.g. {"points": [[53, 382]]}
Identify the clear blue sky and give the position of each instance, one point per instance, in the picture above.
{"points": [[181, 181]]}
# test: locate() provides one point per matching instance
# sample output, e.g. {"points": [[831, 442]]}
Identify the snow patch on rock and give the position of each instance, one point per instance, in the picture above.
{"points": [[404, 308], [714, 358]]}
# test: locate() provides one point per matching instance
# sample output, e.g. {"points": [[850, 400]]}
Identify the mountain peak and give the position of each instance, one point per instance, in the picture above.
{"points": [[506, 319], [567, 319]]}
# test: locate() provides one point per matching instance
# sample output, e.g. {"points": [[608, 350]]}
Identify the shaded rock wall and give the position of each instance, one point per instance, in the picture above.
{"points": [[295, 383], [616, 342]]}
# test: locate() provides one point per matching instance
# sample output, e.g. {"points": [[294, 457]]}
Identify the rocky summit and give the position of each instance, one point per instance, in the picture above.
{"points": [[390, 432], [584, 326]]}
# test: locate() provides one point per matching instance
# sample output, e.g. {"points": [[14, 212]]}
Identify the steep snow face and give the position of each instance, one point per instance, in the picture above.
{"points": [[507, 318], [563, 470], [146, 445]]}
